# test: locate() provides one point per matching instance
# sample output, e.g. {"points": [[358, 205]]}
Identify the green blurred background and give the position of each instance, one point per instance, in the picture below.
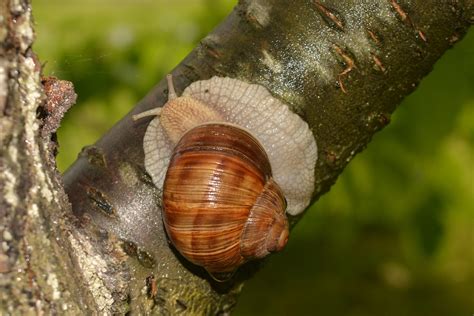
{"points": [[395, 236]]}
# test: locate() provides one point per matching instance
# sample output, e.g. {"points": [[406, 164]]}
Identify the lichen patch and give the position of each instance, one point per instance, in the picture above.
{"points": [[128, 175], [31, 99], [272, 63], [93, 267], [9, 188], [260, 12], [52, 281]]}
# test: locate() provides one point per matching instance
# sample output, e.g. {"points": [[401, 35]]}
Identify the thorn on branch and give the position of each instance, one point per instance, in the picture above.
{"points": [[210, 49], [374, 37], [331, 158], [376, 121], [101, 202], [152, 288], [331, 17], [378, 63], [455, 37], [140, 254], [95, 156], [405, 17], [422, 36], [348, 61]]}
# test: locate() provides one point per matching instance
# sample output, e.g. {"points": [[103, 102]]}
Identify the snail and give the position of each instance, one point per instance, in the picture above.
{"points": [[232, 161]]}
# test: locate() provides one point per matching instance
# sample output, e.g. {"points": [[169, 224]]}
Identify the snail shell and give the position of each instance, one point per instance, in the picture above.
{"points": [[212, 152], [221, 205]]}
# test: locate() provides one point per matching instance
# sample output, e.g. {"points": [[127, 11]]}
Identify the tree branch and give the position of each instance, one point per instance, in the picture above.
{"points": [[342, 66]]}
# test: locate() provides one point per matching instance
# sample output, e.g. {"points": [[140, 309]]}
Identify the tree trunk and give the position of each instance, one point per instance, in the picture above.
{"points": [[341, 65]]}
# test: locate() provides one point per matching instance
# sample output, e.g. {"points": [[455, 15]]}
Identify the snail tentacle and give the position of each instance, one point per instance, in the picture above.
{"points": [[152, 112]]}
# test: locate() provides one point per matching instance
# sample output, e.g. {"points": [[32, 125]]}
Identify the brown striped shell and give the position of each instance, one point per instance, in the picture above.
{"points": [[221, 206]]}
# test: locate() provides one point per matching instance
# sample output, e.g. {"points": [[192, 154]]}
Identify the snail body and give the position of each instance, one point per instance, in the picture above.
{"points": [[230, 159]]}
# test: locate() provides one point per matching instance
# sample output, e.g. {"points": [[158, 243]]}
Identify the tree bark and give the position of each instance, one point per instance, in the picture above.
{"points": [[341, 65]]}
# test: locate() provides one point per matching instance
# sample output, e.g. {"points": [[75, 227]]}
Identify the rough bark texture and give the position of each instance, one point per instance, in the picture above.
{"points": [[31, 197], [341, 65], [40, 241]]}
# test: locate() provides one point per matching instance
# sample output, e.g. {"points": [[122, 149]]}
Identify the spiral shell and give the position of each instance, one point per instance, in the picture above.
{"points": [[222, 207]]}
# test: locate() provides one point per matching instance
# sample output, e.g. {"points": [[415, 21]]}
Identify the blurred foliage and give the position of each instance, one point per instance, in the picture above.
{"points": [[114, 52], [394, 236]]}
